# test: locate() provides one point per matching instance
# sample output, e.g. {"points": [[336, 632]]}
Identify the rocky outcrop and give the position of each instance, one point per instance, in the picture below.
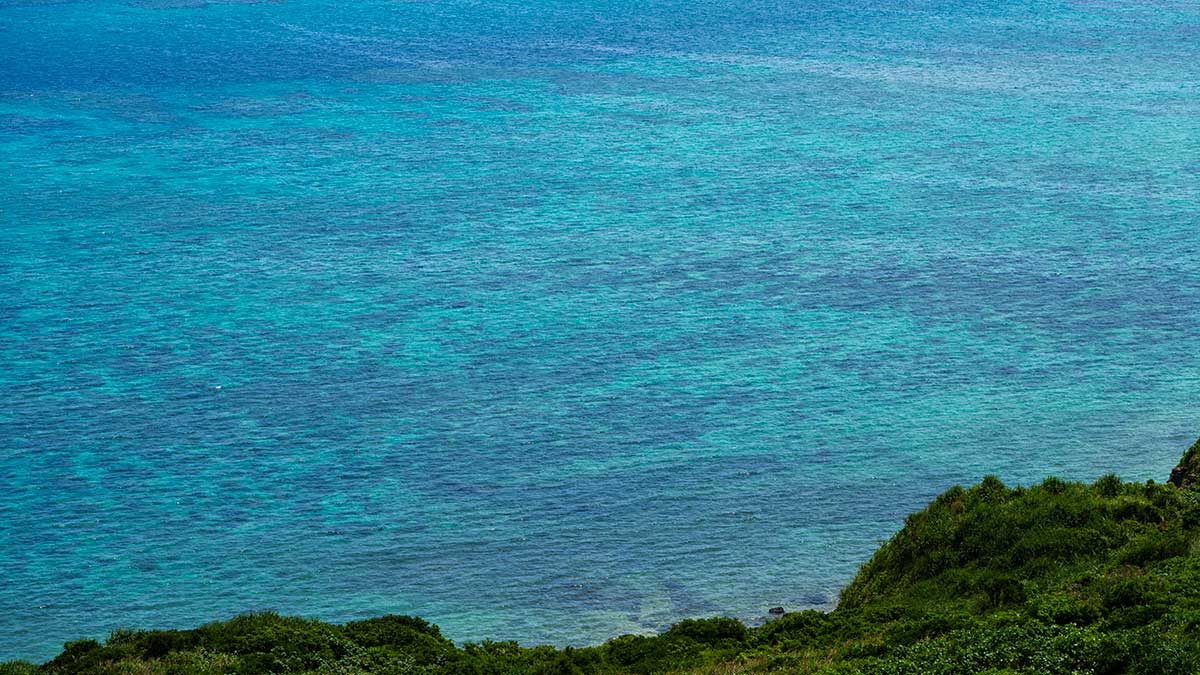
{"points": [[1187, 474]]}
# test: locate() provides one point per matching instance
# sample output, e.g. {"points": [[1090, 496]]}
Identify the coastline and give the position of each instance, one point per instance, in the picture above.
{"points": [[1057, 577]]}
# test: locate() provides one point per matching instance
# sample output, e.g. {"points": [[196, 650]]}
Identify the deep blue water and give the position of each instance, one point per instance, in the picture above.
{"points": [[553, 321]]}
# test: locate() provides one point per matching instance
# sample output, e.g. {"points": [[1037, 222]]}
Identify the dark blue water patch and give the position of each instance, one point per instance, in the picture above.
{"points": [[22, 125]]}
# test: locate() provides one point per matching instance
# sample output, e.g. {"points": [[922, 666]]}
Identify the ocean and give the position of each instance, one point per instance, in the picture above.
{"points": [[557, 320]]}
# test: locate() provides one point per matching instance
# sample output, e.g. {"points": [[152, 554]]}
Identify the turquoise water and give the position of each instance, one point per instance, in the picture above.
{"points": [[553, 321]]}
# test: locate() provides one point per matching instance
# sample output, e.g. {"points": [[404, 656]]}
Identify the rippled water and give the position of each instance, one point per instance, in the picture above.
{"points": [[558, 320]]}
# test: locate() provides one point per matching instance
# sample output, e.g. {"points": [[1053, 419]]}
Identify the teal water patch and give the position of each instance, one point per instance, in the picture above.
{"points": [[563, 321]]}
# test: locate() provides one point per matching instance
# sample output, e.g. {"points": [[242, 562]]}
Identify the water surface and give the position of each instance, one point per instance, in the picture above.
{"points": [[553, 321]]}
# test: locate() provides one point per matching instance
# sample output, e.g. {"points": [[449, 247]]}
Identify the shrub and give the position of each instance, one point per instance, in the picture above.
{"points": [[1155, 545], [1054, 486], [798, 629], [999, 589], [390, 631], [79, 656], [627, 650], [154, 643], [1066, 607], [709, 631], [419, 641], [1173, 656], [1108, 486]]}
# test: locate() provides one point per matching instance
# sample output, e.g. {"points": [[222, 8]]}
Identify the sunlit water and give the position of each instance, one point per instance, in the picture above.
{"points": [[553, 321]]}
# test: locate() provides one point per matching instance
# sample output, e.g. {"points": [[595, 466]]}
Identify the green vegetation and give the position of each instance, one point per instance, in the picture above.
{"points": [[1059, 578]]}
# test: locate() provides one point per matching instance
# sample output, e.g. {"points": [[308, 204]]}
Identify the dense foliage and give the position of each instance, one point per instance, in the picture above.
{"points": [[1059, 578]]}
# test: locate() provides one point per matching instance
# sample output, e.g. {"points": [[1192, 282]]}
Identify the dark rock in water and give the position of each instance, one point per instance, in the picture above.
{"points": [[1181, 477], [1187, 474], [775, 611]]}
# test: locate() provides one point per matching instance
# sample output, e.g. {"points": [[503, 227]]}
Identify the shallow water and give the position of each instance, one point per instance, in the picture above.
{"points": [[553, 321]]}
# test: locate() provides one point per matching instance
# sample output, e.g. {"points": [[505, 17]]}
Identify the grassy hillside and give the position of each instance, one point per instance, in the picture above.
{"points": [[1055, 578]]}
